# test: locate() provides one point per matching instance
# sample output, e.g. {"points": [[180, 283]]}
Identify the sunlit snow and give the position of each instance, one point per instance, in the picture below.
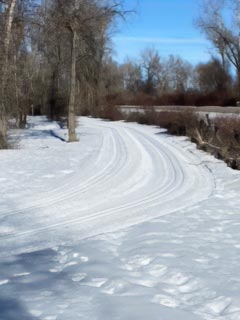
{"points": [[129, 223]]}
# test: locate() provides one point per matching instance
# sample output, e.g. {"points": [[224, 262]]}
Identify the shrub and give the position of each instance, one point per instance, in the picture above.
{"points": [[111, 113]]}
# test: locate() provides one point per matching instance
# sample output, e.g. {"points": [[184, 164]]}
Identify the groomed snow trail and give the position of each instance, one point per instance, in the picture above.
{"points": [[126, 223], [129, 177]]}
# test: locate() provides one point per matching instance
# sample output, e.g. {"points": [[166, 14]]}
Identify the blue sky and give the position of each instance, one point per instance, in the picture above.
{"points": [[166, 25]]}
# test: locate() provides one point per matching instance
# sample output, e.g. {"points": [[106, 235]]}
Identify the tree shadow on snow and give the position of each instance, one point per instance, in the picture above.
{"points": [[26, 284], [12, 309]]}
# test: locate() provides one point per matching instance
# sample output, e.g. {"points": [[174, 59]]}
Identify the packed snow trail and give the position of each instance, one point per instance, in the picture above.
{"points": [[128, 177], [126, 223]]}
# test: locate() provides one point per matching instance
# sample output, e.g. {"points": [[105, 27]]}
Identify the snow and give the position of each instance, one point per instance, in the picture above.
{"points": [[129, 223], [211, 111]]}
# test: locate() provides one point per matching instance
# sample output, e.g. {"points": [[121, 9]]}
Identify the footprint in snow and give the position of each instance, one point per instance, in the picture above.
{"points": [[96, 282], [79, 277], [84, 259], [63, 266], [144, 282], [69, 264], [165, 301], [176, 278], [157, 270], [217, 306], [191, 286], [116, 287], [141, 260]]}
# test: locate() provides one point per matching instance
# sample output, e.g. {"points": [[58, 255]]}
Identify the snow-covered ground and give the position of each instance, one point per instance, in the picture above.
{"points": [[210, 110], [129, 223]]}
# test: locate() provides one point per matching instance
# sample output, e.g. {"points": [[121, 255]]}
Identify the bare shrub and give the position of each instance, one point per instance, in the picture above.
{"points": [[227, 136], [188, 98], [227, 130], [143, 99], [219, 136], [111, 113], [149, 117], [183, 122]]}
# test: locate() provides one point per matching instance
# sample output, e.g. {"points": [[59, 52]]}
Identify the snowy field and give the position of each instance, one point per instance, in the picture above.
{"points": [[213, 111], [128, 224]]}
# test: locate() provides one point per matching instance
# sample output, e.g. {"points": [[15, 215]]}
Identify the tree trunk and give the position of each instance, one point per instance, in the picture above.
{"points": [[71, 108], [7, 38], [238, 84], [6, 44]]}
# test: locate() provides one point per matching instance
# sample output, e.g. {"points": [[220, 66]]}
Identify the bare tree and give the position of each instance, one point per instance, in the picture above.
{"points": [[150, 62], [223, 36], [212, 77], [52, 57], [132, 76], [179, 74], [83, 24]]}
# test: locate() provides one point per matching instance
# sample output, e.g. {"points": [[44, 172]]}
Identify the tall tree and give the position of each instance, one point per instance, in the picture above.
{"points": [[211, 77], [150, 62], [80, 26], [223, 35]]}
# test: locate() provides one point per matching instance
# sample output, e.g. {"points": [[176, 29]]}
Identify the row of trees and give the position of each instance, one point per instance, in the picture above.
{"points": [[219, 21], [51, 55], [154, 76]]}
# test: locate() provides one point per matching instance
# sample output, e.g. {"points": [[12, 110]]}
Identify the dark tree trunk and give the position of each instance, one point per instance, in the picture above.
{"points": [[71, 108]]}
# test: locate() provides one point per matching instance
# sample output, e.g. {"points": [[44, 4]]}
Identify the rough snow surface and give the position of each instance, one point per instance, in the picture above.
{"points": [[129, 223]]}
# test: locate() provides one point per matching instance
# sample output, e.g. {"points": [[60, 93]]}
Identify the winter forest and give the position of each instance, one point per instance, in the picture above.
{"points": [[119, 171], [56, 59]]}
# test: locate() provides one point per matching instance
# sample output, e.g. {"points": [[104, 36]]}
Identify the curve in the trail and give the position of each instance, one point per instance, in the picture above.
{"points": [[134, 175]]}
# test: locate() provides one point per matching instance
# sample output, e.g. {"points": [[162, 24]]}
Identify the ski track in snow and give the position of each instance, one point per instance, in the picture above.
{"points": [[128, 223]]}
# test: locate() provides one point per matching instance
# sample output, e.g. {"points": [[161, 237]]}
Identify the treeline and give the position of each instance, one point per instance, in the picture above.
{"points": [[154, 80], [55, 59], [52, 58]]}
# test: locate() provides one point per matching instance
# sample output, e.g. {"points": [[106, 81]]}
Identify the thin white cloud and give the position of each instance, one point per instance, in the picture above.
{"points": [[162, 40]]}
